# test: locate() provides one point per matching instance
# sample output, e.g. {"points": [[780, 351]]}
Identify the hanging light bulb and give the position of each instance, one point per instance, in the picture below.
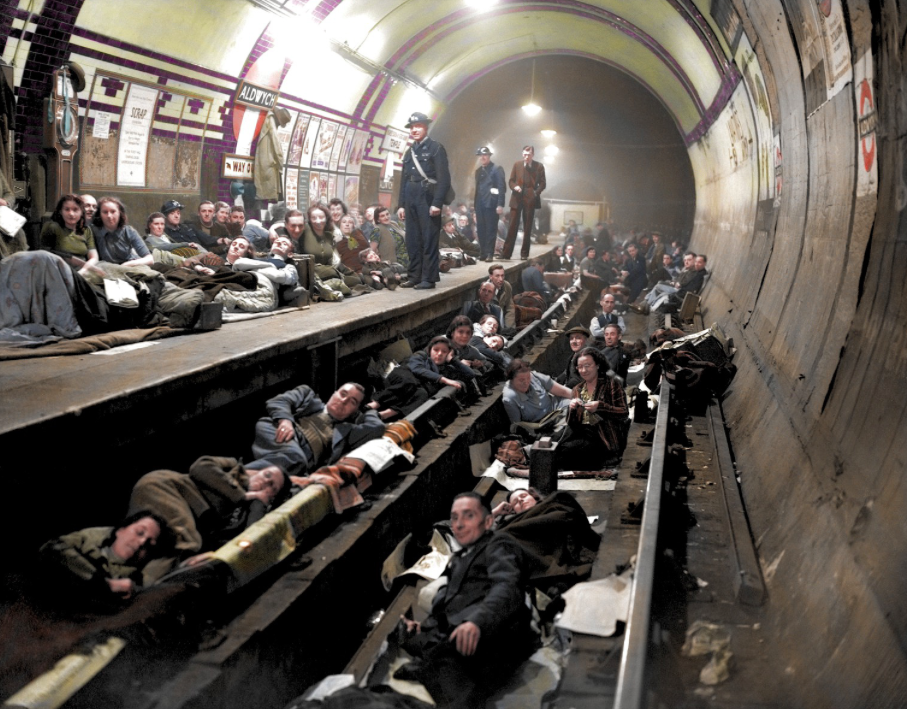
{"points": [[532, 108]]}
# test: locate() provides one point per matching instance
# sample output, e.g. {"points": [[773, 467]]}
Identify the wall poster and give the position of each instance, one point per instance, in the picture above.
{"points": [[324, 145], [308, 145], [351, 190], [292, 187], [135, 132], [295, 152], [338, 147]]}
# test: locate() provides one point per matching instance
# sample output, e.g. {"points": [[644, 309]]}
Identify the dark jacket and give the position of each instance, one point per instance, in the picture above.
{"points": [[490, 177], [433, 159]]}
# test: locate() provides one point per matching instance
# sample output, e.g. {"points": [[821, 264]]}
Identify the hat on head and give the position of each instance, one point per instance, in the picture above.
{"points": [[170, 205], [450, 220], [282, 115], [483, 151], [417, 118], [578, 329]]}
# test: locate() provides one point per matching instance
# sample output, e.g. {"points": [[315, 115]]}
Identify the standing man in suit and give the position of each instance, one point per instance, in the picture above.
{"points": [[424, 183], [478, 632], [490, 190], [527, 180]]}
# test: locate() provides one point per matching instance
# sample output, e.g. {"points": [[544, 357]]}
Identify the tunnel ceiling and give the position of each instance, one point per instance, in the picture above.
{"points": [[378, 60], [669, 46]]}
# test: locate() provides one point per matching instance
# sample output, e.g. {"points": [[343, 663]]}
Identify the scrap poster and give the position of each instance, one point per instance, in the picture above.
{"points": [[135, 131]]}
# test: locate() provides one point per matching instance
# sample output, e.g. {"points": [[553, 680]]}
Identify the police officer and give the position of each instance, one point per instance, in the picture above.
{"points": [[420, 201], [490, 189]]}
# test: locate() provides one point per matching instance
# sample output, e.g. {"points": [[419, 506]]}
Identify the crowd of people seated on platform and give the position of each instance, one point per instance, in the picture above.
{"points": [[220, 256], [352, 251]]}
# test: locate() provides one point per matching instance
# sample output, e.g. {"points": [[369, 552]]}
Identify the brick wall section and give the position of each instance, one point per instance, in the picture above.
{"points": [[49, 49]]}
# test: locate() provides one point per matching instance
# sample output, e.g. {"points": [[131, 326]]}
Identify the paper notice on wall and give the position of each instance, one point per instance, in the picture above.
{"points": [[101, 128], [135, 132], [837, 45]]}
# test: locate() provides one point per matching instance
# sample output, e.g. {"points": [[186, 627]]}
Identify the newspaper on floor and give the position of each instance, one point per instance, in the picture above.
{"points": [[594, 607]]}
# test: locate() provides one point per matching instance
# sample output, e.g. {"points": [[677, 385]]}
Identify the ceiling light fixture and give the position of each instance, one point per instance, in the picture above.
{"points": [[532, 108]]}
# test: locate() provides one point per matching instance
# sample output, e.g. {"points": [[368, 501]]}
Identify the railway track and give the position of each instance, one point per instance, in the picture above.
{"points": [[262, 641]]}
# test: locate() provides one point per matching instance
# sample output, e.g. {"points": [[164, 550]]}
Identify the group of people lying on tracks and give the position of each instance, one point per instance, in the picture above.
{"points": [[174, 517]]}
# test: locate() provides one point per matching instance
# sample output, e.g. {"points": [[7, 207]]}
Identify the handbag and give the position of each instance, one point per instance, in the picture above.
{"points": [[450, 196]]}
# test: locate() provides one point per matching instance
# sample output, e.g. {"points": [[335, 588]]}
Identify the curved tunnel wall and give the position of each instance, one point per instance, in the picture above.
{"points": [[804, 233], [810, 284]]}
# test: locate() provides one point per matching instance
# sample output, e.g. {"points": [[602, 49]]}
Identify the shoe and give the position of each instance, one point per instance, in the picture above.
{"points": [[642, 308], [408, 284], [524, 258], [424, 285]]}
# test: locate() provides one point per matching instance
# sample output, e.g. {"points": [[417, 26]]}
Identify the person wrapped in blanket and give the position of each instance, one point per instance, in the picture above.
{"points": [[207, 507], [555, 533], [100, 567], [382, 274], [238, 280]]}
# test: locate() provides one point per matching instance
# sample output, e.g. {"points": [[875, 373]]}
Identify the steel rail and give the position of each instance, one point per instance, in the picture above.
{"points": [[631, 679]]}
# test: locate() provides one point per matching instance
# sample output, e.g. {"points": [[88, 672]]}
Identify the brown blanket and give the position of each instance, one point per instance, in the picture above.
{"points": [[93, 343], [223, 278], [557, 537]]}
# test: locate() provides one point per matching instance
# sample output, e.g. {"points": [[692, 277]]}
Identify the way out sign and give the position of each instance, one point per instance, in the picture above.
{"points": [[237, 167]]}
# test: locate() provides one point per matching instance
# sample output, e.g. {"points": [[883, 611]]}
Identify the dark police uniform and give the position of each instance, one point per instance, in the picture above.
{"points": [[184, 234], [416, 197], [490, 190]]}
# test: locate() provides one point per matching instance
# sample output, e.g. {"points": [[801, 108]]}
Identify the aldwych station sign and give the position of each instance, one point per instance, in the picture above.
{"points": [[255, 96]]}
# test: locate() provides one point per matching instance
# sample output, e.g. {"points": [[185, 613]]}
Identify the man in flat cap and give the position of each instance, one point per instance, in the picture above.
{"points": [[578, 338], [424, 184], [490, 190], [183, 233]]}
